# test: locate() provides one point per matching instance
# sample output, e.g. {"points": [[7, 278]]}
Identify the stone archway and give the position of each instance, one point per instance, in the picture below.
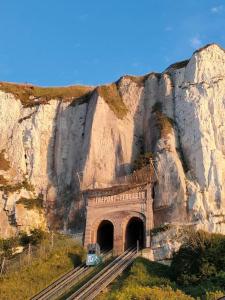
{"points": [[134, 233], [105, 235]]}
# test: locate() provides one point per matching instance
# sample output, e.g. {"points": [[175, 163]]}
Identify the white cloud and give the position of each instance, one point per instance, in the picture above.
{"points": [[196, 42], [217, 9]]}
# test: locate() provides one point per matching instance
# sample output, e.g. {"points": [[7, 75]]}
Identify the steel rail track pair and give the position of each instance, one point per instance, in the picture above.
{"points": [[101, 280], [65, 282]]}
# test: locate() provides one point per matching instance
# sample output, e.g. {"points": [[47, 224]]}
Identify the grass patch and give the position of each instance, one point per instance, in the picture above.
{"points": [[24, 283], [110, 93], [31, 95], [145, 280], [161, 228], [163, 122], [4, 163], [36, 203], [152, 281], [11, 188]]}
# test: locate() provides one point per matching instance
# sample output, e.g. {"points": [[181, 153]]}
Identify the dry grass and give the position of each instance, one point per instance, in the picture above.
{"points": [[4, 163], [7, 187], [31, 95], [164, 123], [110, 93], [139, 80], [22, 284]]}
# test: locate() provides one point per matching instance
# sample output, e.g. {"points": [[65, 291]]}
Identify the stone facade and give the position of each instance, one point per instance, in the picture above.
{"points": [[118, 208]]}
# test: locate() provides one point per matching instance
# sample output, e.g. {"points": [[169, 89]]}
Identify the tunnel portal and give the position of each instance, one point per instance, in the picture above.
{"points": [[134, 233], [105, 235], [117, 218]]}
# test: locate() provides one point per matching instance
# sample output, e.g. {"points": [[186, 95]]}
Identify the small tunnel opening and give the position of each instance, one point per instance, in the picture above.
{"points": [[134, 233], [105, 235]]}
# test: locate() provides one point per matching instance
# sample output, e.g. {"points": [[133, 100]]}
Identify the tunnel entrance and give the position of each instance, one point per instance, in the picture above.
{"points": [[105, 235], [134, 233]]}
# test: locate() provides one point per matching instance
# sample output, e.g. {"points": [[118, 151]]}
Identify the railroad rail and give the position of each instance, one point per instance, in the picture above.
{"points": [[101, 280], [65, 282]]}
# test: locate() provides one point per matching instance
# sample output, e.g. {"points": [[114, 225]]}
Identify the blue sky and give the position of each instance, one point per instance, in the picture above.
{"points": [[63, 42]]}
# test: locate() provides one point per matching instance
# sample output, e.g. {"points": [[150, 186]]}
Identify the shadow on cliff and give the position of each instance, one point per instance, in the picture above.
{"points": [[145, 140], [64, 204]]}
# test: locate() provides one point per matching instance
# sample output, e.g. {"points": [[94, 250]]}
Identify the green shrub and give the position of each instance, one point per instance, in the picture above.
{"points": [[11, 188], [32, 203], [142, 160], [141, 293], [35, 237], [200, 257], [7, 245], [160, 228]]}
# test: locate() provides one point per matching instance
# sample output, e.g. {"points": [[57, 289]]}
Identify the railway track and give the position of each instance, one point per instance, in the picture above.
{"points": [[65, 282], [101, 280]]}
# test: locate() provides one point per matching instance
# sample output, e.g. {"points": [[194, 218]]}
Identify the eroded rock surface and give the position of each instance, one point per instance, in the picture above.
{"points": [[54, 145]]}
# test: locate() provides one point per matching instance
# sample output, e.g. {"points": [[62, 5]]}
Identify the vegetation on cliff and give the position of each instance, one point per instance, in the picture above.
{"points": [[7, 187], [35, 203], [31, 95], [111, 94], [163, 122], [4, 163]]}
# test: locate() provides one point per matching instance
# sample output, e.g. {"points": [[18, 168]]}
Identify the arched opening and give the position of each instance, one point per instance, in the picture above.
{"points": [[105, 235], [134, 233]]}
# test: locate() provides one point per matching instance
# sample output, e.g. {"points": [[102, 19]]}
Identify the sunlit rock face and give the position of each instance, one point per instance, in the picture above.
{"points": [[52, 149]]}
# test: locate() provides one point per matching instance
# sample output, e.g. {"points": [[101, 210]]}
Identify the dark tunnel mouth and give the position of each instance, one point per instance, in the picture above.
{"points": [[105, 235], [134, 233]]}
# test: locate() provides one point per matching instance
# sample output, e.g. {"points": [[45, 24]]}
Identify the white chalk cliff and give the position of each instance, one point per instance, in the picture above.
{"points": [[53, 144]]}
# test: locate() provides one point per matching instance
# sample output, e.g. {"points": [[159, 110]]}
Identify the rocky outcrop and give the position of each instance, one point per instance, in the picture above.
{"points": [[56, 141]]}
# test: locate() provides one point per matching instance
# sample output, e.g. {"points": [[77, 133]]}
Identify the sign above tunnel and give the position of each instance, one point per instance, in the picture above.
{"points": [[124, 197]]}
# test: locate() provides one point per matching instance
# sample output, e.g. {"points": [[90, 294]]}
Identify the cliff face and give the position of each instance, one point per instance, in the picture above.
{"points": [[56, 141]]}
